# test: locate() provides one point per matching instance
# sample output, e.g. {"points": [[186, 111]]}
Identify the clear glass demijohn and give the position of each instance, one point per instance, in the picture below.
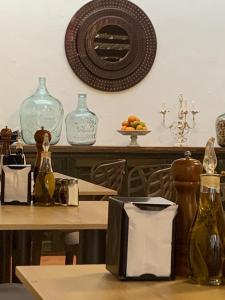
{"points": [[81, 124], [41, 110]]}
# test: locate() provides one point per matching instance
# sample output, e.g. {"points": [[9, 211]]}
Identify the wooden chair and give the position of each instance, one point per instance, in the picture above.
{"points": [[160, 184], [138, 178], [109, 174]]}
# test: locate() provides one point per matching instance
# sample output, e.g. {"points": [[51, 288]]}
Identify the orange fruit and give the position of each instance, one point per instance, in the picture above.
{"points": [[123, 127], [128, 128], [125, 123], [133, 118]]}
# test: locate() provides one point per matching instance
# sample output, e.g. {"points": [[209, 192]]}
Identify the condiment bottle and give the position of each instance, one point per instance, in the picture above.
{"points": [[207, 235], [39, 138], [45, 181], [73, 192], [63, 192], [19, 150], [185, 173]]}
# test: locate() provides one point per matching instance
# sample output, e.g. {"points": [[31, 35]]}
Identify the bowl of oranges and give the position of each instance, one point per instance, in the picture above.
{"points": [[133, 127]]}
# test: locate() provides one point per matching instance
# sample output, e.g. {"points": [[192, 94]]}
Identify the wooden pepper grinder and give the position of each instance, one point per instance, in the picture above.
{"points": [[39, 138], [6, 135], [186, 176]]}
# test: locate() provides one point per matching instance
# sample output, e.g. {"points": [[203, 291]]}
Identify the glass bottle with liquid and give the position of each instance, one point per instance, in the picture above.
{"points": [[45, 181], [207, 236], [20, 156]]}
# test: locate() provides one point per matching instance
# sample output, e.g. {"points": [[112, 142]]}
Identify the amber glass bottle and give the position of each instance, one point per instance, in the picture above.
{"points": [[207, 241], [45, 181]]}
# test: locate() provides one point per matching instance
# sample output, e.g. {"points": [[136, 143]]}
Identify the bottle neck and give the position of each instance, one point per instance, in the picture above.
{"points": [[42, 89], [82, 102], [46, 163], [19, 148], [209, 193]]}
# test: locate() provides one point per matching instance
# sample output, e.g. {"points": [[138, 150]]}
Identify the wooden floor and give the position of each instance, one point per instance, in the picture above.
{"points": [[54, 260]]}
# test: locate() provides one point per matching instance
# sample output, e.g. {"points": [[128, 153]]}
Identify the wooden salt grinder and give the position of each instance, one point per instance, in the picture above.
{"points": [[186, 177], [39, 137]]}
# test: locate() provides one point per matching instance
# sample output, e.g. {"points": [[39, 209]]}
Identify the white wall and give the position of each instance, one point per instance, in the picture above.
{"points": [[190, 60]]}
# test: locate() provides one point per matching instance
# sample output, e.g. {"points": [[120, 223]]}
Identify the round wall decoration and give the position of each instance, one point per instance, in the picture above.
{"points": [[110, 44]]}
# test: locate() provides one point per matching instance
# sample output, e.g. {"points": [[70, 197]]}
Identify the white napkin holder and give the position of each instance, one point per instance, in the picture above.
{"points": [[140, 238], [16, 184]]}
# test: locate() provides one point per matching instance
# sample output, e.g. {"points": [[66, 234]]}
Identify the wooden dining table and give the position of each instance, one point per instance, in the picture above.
{"points": [[94, 282], [88, 215], [16, 218]]}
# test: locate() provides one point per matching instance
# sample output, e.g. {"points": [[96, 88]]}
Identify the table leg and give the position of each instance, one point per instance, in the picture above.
{"points": [[21, 251], [26, 249], [5, 255], [92, 247]]}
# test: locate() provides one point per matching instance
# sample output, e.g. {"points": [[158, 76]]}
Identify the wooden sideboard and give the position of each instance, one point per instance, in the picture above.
{"points": [[77, 160]]}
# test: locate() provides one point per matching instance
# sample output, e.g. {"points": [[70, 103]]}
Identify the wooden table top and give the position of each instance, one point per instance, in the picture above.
{"points": [[88, 215], [88, 188], [93, 282]]}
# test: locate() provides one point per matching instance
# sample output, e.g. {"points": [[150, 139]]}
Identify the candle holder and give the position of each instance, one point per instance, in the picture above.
{"points": [[181, 127]]}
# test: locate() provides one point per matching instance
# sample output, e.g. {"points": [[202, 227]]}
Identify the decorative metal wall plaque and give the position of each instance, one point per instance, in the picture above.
{"points": [[110, 44]]}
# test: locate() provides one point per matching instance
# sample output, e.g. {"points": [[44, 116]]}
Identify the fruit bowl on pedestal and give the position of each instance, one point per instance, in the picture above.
{"points": [[133, 135]]}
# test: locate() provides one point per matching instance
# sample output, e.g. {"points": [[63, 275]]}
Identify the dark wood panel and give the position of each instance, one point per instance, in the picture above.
{"points": [[77, 160]]}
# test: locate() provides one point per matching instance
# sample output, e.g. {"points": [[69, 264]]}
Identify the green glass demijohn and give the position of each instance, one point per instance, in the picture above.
{"points": [[81, 124], [41, 110]]}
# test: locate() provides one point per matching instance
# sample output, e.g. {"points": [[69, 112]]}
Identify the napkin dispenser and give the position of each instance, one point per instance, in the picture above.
{"points": [[16, 184], [140, 238]]}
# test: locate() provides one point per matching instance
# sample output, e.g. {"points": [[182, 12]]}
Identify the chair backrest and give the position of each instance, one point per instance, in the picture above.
{"points": [[160, 184], [138, 178], [109, 173]]}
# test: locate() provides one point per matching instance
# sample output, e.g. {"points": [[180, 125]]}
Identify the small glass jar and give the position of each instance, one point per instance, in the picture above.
{"points": [[81, 124], [220, 130], [58, 184], [63, 192], [41, 110], [73, 192]]}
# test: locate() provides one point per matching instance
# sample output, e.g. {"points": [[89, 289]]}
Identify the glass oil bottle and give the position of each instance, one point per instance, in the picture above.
{"points": [[45, 181], [207, 241]]}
